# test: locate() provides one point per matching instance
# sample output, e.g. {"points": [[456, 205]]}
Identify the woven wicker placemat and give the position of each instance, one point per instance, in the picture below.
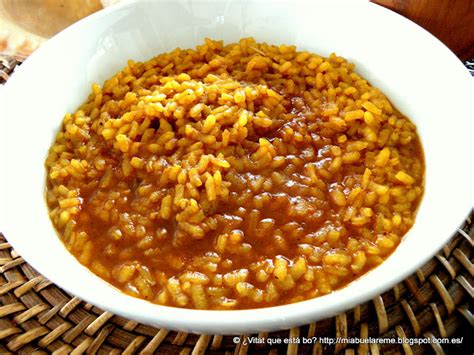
{"points": [[38, 317]]}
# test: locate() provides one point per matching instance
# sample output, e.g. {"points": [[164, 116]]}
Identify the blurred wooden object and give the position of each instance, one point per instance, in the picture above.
{"points": [[452, 21], [47, 17], [26, 24]]}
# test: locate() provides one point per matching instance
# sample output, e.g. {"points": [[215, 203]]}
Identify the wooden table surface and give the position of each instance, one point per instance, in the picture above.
{"points": [[452, 21]]}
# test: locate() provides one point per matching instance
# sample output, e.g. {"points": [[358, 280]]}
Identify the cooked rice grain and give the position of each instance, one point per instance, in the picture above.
{"points": [[234, 176]]}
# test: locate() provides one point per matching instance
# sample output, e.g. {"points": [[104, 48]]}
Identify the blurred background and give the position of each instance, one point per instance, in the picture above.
{"points": [[25, 24], [452, 21]]}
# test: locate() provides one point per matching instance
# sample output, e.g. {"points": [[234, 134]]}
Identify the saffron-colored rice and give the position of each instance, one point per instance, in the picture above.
{"points": [[234, 176]]}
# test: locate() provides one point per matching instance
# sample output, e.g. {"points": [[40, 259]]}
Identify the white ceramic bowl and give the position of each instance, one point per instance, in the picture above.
{"points": [[418, 73]]}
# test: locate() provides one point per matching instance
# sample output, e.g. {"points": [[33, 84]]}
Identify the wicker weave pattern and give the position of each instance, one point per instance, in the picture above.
{"points": [[38, 317]]}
